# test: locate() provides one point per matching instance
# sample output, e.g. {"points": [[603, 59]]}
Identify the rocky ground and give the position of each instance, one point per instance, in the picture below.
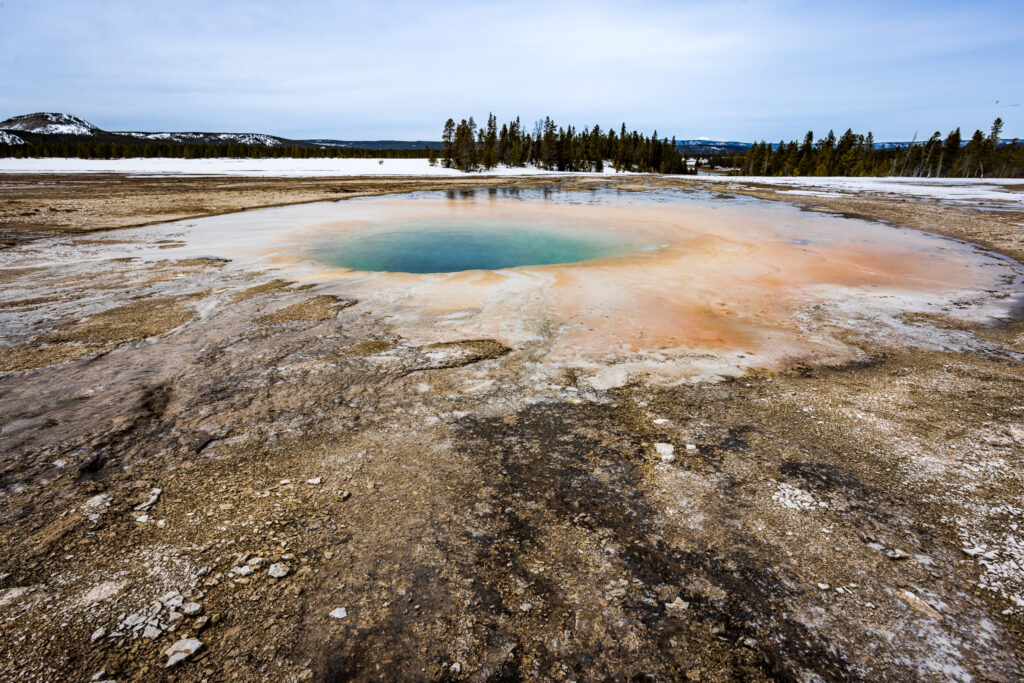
{"points": [[209, 474]]}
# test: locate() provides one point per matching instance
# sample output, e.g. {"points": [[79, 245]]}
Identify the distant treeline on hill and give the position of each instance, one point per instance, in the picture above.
{"points": [[469, 148], [196, 150], [855, 155]]}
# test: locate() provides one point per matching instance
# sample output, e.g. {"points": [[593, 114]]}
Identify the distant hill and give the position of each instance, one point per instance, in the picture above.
{"points": [[44, 126], [701, 146], [378, 144], [50, 126]]}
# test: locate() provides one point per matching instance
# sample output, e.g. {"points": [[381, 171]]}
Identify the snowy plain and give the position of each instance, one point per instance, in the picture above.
{"points": [[1001, 191], [1008, 190], [256, 167]]}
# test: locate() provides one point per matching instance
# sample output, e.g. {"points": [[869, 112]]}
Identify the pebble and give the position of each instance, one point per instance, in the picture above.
{"points": [[191, 608], [154, 495], [318, 480], [660, 421], [456, 668], [97, 634], [278, 570], [677, 606], [244, 570], [666, 451], [525, 607], [824, 586], [182, 650], [151, 632], [200, 623], [142, 519], [918, 605], [345, 495], [339, 613], [897, 554], [691, 446]]}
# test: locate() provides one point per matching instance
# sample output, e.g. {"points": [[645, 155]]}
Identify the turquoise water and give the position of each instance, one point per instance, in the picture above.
{"points": [[451, 245]]}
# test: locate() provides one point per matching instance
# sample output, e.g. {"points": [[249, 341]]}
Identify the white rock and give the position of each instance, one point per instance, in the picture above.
{"points": [[824, 586], [660, 421], [666, 451], [677, 606], [525, 607], [315, 481], [456, 668], [244, 570], [339, 613], [182, 650], [151, 632], [191, 608], [172, 599], [142, 519], [153, 496], [255, 562], [278, 570], [97, 634], [691, 446]]}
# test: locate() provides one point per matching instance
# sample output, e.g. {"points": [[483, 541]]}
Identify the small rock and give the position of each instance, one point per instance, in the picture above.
{"points": [[339, 613], [691, 446], [897, 554], [154, 495], [191, 608], [665, 451], [151, 632], [824, 586], [315, 481], [918, 605], [255, 562], [660, 421], [244, 570], [182, 650], [525, 607], [345, 495], [97, 634], [200, 623], [677, 607], [142, 519], [278, 570], [456, 668]]}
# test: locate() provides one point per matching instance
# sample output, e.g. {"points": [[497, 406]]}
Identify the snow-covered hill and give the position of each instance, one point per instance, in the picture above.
{"points": [[50, 123], [10, 139], [237, 138]]}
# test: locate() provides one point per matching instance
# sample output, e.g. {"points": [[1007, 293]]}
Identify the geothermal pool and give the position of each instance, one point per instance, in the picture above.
{"points": [[666, 284]]}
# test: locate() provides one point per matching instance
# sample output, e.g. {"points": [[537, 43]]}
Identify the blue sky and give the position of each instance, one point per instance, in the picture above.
{"points": [[724, 69]]}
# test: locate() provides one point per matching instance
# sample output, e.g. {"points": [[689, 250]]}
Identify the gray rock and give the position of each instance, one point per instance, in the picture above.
{"points": [[182, 650], [154, 495], [191, 608], [278, 570], [97, 634], [339, 613]]}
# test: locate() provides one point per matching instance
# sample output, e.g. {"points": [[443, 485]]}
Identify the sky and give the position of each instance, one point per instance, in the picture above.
{"points": [[721, 69]]}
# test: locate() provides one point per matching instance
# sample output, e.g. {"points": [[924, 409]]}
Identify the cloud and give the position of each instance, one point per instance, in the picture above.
{"points": [[730, 69]]}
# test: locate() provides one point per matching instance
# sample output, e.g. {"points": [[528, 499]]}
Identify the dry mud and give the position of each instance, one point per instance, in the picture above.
{"points": [[273, 474]]}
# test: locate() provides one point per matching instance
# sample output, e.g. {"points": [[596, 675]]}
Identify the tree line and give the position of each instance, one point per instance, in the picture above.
{"points": [[856, 155], [197, 150], [467, 147]]}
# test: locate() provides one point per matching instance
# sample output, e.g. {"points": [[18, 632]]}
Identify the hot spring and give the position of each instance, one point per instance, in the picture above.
{"points": [[664, 283]]}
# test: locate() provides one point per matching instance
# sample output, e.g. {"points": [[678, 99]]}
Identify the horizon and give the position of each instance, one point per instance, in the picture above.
{"points": [[682, 69]]}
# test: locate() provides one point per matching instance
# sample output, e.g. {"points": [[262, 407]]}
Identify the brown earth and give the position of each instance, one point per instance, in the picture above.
{"points": [[833, 523]]}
